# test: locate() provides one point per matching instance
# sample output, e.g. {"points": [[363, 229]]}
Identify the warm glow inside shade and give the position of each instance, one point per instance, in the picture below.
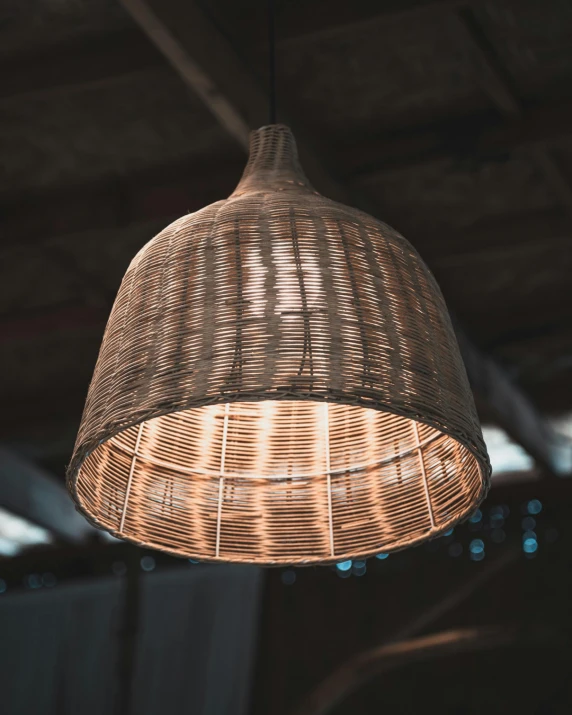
{"points": [[278, 383], [273, 481]]}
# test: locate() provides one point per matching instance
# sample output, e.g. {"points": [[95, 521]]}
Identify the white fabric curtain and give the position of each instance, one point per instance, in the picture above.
{"points": [[195, 644]]}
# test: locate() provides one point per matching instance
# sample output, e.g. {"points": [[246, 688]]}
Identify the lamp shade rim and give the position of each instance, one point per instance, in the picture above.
{"points": [[478, 452], [318, 560]]}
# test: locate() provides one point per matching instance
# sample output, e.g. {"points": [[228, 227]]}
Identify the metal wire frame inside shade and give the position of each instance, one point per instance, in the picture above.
{"points": [[278, 383]]}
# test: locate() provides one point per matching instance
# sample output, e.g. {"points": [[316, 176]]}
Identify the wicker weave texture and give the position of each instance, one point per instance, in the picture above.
{"points": [[279, 382]]}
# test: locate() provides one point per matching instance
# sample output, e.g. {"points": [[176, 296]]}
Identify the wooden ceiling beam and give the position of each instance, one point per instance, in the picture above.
{"points": [[107, 206], [310, 16], [33, 218], [498, 85], [166, 192], [104, 59], [209, 65], [317, 17], [472, 138], [112, 56], [83, 63], [514, 411], [501, 237]]}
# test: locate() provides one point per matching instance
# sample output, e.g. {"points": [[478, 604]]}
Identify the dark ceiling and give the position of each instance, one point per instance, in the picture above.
{"points": [[454, 119]]}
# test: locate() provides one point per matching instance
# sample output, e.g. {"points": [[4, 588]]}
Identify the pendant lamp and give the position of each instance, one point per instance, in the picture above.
{"points": [[279, 383]]}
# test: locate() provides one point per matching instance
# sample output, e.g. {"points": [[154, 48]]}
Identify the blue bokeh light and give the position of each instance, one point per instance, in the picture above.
{"points": [[381, 557], [147, 563], [34, 581], [344, 565], [477, 546], [534, 506], [530, 546]]}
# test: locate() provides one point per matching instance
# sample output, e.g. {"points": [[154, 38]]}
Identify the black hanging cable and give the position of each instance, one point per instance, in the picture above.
{"points": [[271, 62]]}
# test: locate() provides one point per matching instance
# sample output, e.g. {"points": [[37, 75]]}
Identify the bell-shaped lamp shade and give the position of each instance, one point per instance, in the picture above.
{"points": [[279, 383]]}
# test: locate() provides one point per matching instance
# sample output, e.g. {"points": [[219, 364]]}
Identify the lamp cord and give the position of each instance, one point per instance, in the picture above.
{"points": [[271, 61]]}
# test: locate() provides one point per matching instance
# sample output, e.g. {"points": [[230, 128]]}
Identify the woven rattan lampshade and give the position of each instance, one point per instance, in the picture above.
{"points": [[279, 382]]}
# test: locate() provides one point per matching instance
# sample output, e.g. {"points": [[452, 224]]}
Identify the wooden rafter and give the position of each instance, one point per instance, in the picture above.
{"points": [[218, 75], [497, 84], [79, 64], [105, 58], [35, 220], [486, 135]]}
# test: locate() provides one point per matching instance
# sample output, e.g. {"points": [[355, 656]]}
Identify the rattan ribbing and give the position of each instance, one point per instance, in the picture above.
{"points": [[279, 382]]}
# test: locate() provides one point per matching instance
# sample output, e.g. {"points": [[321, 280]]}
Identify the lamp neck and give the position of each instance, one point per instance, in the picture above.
{"points": [[273, 163]]}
